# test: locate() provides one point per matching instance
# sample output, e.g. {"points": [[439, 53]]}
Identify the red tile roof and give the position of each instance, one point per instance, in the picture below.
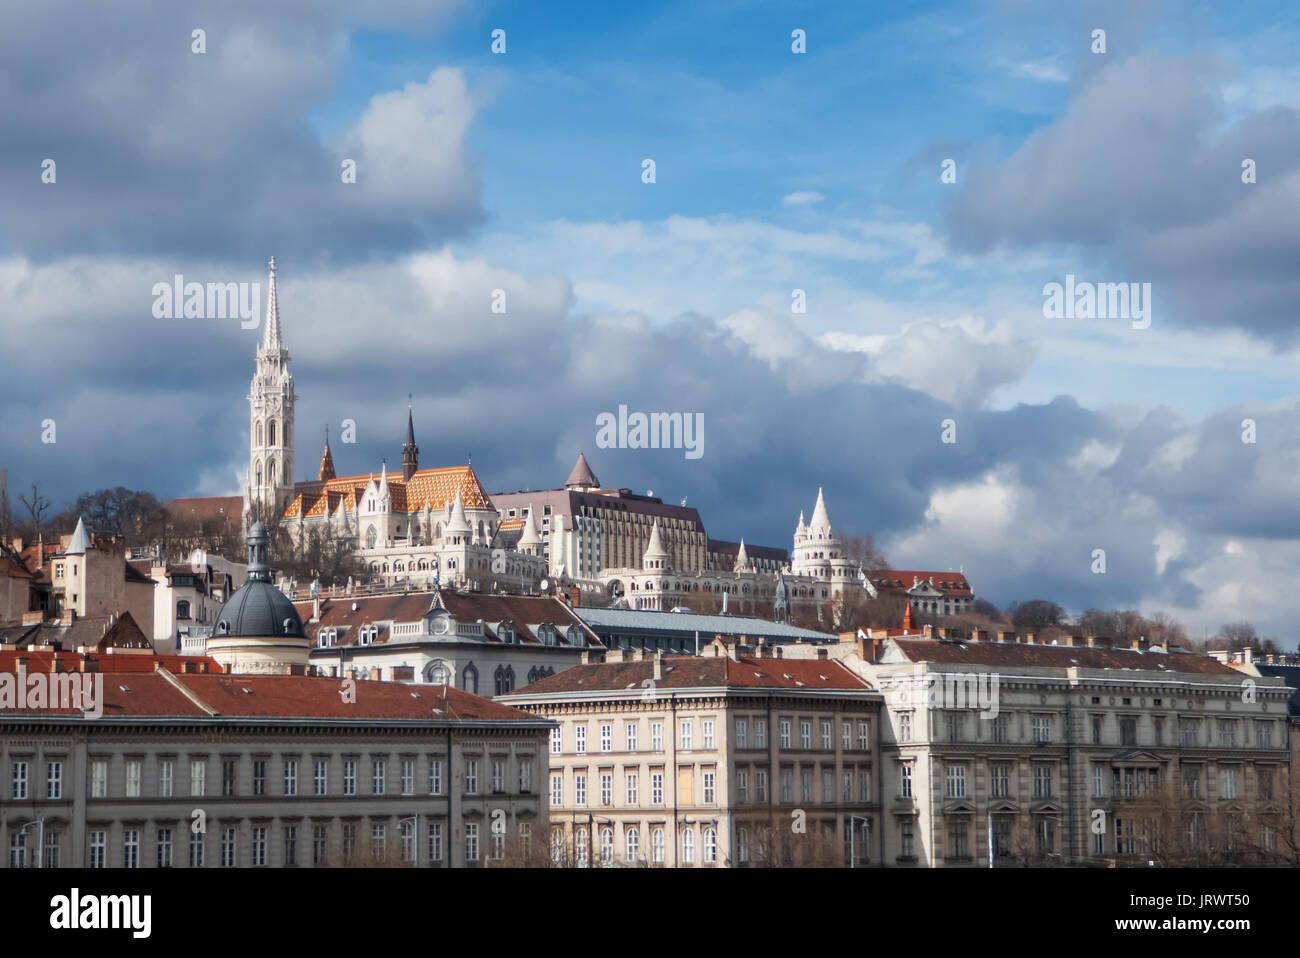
{"points": [[899, 580], [690, 671], [1006, 654], [437, 487]]}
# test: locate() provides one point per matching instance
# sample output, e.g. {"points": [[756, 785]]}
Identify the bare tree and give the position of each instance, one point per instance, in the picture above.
{"points": [[38, 508]]}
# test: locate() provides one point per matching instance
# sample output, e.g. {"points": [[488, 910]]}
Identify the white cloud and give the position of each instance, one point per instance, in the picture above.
{"points": [[802, 198]]}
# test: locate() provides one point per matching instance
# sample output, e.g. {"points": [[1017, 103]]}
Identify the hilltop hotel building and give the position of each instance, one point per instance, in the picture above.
{"points": [[422, 525]]}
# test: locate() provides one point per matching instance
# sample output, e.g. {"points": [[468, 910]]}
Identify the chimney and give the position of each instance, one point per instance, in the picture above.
{"points": [[638, 655], [1248, 655], [586, 657], [574, 595], [315, 608], [659, 667]]}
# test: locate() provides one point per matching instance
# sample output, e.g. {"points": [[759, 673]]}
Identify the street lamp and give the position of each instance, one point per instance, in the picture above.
{"points": [[40, 838]]}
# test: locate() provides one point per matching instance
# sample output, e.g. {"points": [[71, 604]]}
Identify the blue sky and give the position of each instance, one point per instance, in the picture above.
{"points": [[775, 171]]}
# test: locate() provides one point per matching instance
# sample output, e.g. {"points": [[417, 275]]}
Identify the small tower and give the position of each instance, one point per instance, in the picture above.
{"points": [[271, 398], [582, 479], [655, 558], [326, 472], [410, 451]]}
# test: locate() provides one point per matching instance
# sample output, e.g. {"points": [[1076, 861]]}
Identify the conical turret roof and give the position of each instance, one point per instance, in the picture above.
{"points": [[581, 474]]}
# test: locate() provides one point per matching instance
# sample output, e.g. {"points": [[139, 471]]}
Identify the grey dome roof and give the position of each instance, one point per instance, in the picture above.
{"points": [[258, 610]]}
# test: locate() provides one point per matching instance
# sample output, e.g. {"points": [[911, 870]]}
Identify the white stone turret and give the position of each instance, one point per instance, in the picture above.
{"points": [[530, 542], [656, 556]]}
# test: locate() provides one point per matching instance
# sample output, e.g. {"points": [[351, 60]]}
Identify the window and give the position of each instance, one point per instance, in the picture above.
{"points": [[760, 785], [864, 736], [196, 849], [290, 777], [657, 787], [259, 845], [1188, 730], [525, 840], [525, 775], [688, 846], [607, 788], [710, 845], [1158, 724], [631, 736], [580, 739], [471, 776], [710, 792], [99, 778], [54, 780], [229, 768], [320, 768], [1192, 781], [557, 789], [1097, 721], [826, 736], [760, 733], [864, 785], [1263, 734], [259, 776], [378, 775], [956, 781], [742, 786], [905, 780], [1042, 781], [1042, 725], [97, 847], [706, 732], [606, 845], [787, 785], [166, 775], [228, 835], [52, 849], [134, 768], [906, 841], [686, 734], [905, 726], [290, 836], [471, 842], [1001, 724], [556, 744], [349, 776], [349, 841], [198, 777], [632, 844], [631, 780], [435, 842], [1229, 782], [607, 738], [785, 733], [958, 835], [846, 736], [656, 736], [182, 609], [1099, 781], [18, 848], [131, 848], [1128, 731], [1264, 777], [742, 844], [1047, 837], [1227, 733], [657, 846], [828, 785], [805, 735], [954, 726], [408, 776], [1000, 780]]}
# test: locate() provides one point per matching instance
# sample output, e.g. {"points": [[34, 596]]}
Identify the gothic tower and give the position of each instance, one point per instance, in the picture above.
{"points": [[410, 451], [269, 483]]}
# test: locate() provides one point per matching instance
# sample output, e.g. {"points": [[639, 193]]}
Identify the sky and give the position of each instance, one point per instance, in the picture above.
{"points": [[843, 260]]}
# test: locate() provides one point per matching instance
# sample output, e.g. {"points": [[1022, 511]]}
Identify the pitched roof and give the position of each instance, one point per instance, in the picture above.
{"points": [[691, 671], [437, 487], [80, 541], [581, 475], [609, 620], [899, 580], [1058, 657]]}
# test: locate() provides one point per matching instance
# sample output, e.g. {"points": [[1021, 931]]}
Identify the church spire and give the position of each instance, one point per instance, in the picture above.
{"points": [[326, 460], [410, 451], [271, 331]]}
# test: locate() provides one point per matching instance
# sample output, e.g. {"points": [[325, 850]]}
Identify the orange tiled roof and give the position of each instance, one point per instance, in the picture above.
{"points": [[437, 487]]}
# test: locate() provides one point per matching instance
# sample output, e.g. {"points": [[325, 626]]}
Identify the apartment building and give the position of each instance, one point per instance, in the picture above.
{"points": [[193, 769], [1078, 753], [718, 760]]}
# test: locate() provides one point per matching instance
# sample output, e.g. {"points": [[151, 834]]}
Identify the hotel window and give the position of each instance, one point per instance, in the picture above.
{"points": [[688, 846], [742, 786], [1227, 733], [131, 848], [471, 776], [656, 788], [290, 836], [525, 775], [349, 776], [657, 846], [1000, 780], [259, 776], [633, 844], [378, 776], [435, 776], [498, 776], [805, 735], [1042, 781], [631, 779], [1188, 730], [1263, 734], [846, 736], [166, 775], [787, 785], [710, 846], [556, 745], [97, 847], [1000, 729], [656, 736], [134, 767], [607, 788], [1042, 729], [706, 731], [320, 768], [290, 777], [1229, 783], [956, 781], [408, 776], [760, 785], [826, 736], [99, 778], [580, 788], [580, 739], [760, 733], [631, 736], [196, 849], [905, 726], [905, 779], [54, 781], [229, 767], [259, 845], [471, 842], [785, 733], [228, 835], [686, 735], [1099, 781], [906, 841], [557, 788], [1096, 729], [710, 794], [435, 842], [607, 738], [864, 736]]}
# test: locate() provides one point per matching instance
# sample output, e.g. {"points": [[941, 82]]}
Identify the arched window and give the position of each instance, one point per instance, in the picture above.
{"points": [[710, 846], [480, 529], [504, 680], [657, 846], [259, 442], [606, 845], [580, 847], [371, 536], [532, 675], [270, 433], [437, 673], [183, 609], [633, 844], [469, 679], [688, 846]]}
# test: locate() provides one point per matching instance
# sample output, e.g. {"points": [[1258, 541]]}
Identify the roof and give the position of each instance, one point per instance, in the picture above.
{"points": [[109, 662], [207, 508], [1291, 674], [609, 620], [732, 549], [80, 541], [691, 671], [435, 487], [287, 697], [896, 580], [581, 474], [1058, 657]]}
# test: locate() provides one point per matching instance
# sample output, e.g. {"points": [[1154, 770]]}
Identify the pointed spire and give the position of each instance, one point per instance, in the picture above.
{"points": [[458, 522], [742, 559], [271, 328], [655, 551], [410, 451], [907, 617], [383, 479], [820, 520], [581, 476], [80, 539], [326, 460], [531, 537]]}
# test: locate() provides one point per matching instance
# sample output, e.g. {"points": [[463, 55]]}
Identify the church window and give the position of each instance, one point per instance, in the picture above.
{"points": [[371, 536], [259, 435], [469, 679], [270, 433]]}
